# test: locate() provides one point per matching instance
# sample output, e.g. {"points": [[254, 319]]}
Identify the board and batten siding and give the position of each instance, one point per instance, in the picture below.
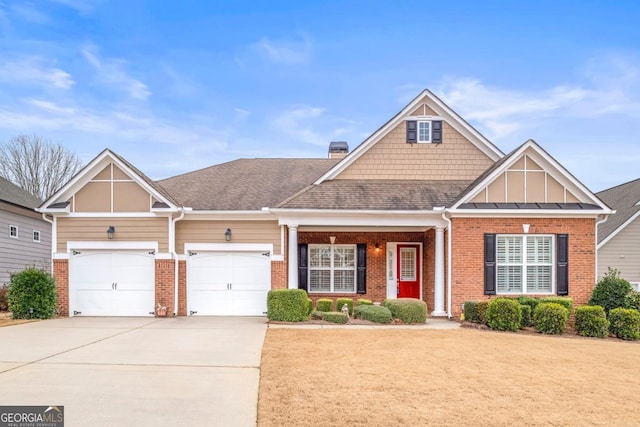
{"points": [[195, 231], [127, 230], [17, 254], [622, 252]]}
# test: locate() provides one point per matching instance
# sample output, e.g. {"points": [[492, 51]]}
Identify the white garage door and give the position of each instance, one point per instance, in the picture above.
{"points": [[118, 283], [228, 283]]}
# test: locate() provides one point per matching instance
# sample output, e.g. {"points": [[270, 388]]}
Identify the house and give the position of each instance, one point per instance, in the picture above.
{"points": [[619, 236], [25, 239], [426, 207]]}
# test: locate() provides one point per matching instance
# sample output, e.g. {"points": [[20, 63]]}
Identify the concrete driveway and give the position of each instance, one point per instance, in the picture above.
{"points": [[196, 371]]}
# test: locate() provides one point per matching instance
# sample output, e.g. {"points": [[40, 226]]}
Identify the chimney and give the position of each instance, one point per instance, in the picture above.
{"points": [[338, 149]]}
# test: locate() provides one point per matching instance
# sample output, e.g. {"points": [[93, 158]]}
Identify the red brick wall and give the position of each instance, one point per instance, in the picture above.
{"points": [[376, 260], [165, 290], [61, 274], [278, 275], [468, 253], [182, 288]]}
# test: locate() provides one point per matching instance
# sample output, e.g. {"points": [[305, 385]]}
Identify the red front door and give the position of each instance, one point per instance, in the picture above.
{"points": [[408, 270]]}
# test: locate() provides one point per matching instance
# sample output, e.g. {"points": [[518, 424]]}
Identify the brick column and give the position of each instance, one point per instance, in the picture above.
{"points": [[61, 274]]}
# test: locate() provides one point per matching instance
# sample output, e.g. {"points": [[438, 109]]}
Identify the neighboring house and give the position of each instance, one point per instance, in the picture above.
{"points": [[619, 236], [25, 238], [426, 207]]}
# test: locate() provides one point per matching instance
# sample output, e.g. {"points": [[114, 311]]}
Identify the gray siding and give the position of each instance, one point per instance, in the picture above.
{"points": [[15, 254], [622, 252]]}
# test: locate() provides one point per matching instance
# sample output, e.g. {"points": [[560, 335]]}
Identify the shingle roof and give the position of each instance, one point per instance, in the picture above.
{"points": [[13, 194], [245, 184], [377, 194], [623, 199]]}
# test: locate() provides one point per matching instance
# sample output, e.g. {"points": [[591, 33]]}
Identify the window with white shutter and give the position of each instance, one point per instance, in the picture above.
{"points": [[524, 264], [332, 268]]}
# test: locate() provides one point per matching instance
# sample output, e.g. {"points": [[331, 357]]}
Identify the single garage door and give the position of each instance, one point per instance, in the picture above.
{"points": [[228, 283], [120, 283]]}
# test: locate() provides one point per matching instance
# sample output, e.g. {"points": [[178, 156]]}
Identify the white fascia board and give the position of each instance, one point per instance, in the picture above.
{"points": [[359, 218], [262, 215], [618, 230], [55, 211], [117, 215]]}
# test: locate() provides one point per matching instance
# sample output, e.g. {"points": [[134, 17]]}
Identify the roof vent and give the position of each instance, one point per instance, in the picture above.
{"points": [[338, 149]]}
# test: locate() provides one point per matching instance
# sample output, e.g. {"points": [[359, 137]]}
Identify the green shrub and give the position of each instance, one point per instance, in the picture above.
{"points": [[287, 305], [32, 295], [566, 302], [324, 304], [632, 300], [551, 318], [531, 302], [4, 305], [591, 321], [372, 313], [610, 291], [316, 314], [364, 301], [625, 323], [470, 310], [309, 305], [525, 320], [409, 310], [335, 317], [342, 301], [503, 314], [481, 306]]}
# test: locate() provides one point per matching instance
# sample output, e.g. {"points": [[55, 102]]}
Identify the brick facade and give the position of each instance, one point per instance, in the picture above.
{"points": [[279, 275], [182, 288], [165, 289], [61, 275], [468, 253]]}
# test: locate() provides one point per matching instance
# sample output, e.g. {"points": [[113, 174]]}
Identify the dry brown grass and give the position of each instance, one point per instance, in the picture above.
{"points": [[6, 320], [347, 377]]}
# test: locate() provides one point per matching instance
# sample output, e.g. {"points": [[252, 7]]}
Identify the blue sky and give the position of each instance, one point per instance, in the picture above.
{"points": [[175, 86]]}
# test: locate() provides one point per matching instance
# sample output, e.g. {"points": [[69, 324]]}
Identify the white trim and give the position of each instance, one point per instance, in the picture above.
{"points": [[566, 179], [618, 230], [228, 247], [61, 255], [260, 215], [163, 255], [33, 234], [277, 258], [418, 140], [524, 264], [443, 111], [17, 236], [364, 229], [364, 218], [111, 245], [332, 268], [395, 261], [113, 215]]}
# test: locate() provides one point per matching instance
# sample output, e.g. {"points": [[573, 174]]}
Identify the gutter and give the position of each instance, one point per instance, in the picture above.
{"points": [[174, 255]]}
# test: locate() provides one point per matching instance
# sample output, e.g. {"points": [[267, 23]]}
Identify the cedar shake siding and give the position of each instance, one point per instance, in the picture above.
{"points": [[127, 230], [392, 158], [468, 260]]}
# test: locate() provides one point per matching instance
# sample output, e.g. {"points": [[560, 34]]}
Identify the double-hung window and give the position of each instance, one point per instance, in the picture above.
{"points": [[424, 131], [524, 264], [332, 268]]}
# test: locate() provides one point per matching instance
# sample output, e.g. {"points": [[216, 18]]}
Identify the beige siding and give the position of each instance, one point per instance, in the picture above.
{"points": [[105, 174], [496, 192], [535, 186], [129, 197], [555, 191], [118, 174], [392, 158], [213, 232], [94, 197], [515, 187], [423, 110], [127, 229], [622, 253]]}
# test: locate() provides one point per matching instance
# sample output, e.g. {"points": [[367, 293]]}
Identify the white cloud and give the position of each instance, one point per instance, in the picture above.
{"points": [[112, 72], [241, 114], [295, 52], [34, 70]]}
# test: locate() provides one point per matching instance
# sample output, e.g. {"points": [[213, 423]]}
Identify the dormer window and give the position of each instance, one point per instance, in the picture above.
{"points": [[424, 131]]}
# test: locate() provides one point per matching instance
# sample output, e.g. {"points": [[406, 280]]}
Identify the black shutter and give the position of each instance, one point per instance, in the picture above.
{"points": [[362, 268], [303, 265], [489, 264], [412, 131], [562, 264], [436, 132]]}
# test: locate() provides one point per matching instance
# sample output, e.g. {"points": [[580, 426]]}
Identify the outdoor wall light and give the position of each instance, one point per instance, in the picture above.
{"points": [[377, 247], [332, 239], [227, 235], [110, 232]]}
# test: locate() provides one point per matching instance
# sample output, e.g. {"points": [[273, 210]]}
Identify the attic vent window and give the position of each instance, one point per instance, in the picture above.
{"points": [[424, 131]]}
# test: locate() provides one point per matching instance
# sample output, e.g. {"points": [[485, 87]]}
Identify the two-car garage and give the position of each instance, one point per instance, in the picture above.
{"points": [[122, 282]]}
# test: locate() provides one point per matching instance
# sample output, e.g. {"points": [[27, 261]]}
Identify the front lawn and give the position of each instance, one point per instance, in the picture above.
{"points": [[312, 377]]}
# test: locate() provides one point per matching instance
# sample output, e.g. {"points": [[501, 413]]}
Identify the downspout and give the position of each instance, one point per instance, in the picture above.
{"points": [[174, 255], [448, 221], [54, 237], [602, 221]]}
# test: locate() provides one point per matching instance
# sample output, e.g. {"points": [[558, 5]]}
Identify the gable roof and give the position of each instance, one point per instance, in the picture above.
{"points": [[376, 194], [245, 184], [442, 109], [59, 198], [625, 199], [591, 202], [11, 193]]}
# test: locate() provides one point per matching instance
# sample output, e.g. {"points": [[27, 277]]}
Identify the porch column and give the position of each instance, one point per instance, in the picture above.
{"points": [[293, 257], [438, 309]]}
